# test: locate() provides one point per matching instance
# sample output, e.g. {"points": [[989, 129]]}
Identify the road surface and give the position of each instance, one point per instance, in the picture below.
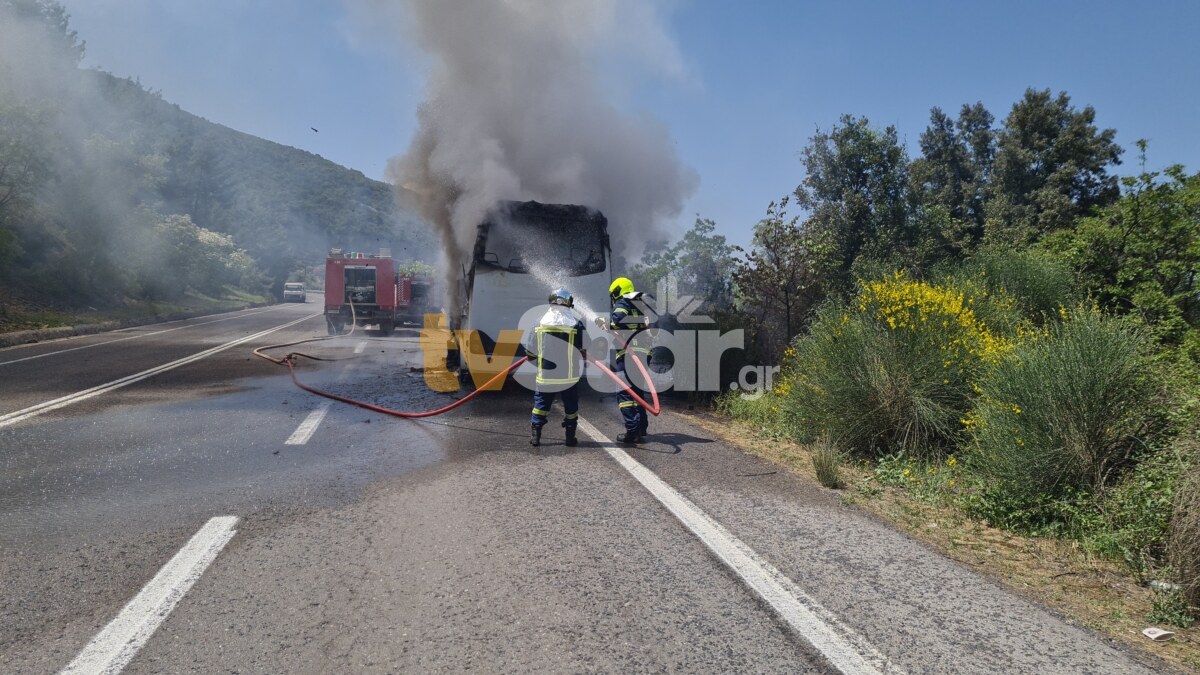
{"points": [[168, 503]]}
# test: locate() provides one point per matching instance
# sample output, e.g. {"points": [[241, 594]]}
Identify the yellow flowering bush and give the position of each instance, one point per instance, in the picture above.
{"points": [[893, 369], [944, 315]]}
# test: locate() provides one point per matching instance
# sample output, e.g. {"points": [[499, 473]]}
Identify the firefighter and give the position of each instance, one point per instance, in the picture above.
{"points": [[627, 320], [556, 346]]}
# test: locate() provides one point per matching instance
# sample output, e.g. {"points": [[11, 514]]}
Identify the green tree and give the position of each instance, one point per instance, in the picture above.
{"points": [[948, 182], [1051, 167], [702, 263], [48, 19], [779, 283], [1142, 254], [23, 162], [855, 188]]}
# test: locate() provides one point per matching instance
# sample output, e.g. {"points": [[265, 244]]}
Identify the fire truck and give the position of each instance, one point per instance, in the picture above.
{"points": [[364, 288]]}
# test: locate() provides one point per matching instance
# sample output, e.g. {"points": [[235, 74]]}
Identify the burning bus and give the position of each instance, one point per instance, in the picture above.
{"points": [[523, 250]]}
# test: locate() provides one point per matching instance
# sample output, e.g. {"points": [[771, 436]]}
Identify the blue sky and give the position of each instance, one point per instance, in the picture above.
{"points": [[762, 76]]}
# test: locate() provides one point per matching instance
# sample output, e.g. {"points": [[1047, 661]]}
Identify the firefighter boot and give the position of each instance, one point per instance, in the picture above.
{"points": [[570, 427], [628, 437], [535, 434]]}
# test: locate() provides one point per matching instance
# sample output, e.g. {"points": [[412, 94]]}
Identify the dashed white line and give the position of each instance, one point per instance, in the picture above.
{"points": [[135, 337], [838, 643], [62, 402], [112, 649], [358, 349], [306, 429]]}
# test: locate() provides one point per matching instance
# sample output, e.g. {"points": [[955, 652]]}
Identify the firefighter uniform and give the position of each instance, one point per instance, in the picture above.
{"points": [[556, 346], [629, 320]]}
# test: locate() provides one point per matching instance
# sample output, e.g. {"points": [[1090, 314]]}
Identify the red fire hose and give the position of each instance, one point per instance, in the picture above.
{"points": [[289, 361]]}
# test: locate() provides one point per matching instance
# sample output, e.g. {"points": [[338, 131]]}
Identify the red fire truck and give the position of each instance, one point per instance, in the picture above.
{"points": [[365, 288]]}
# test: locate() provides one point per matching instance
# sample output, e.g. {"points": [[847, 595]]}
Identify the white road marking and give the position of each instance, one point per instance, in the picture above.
{"points": [[306, 429], [134, 337], [112, 649], [841, 646], [358, 349], [62, 402]]}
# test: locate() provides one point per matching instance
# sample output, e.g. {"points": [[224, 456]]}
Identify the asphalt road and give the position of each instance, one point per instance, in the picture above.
{"points": [[374, 544]]}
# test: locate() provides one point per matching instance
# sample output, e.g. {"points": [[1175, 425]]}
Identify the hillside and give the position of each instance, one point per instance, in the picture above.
{"points": [[111, 196]]}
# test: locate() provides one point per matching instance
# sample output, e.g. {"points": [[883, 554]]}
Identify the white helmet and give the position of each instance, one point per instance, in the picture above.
{"points": [[562, 297]]}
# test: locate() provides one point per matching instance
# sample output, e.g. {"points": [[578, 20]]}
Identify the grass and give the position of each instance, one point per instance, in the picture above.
{"points": [[1184, 542], [1060, 573], [827, 463], [17, 316]]}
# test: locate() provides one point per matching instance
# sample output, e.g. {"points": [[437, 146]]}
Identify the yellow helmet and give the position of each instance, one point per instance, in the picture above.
{"points": [[620, 286]]}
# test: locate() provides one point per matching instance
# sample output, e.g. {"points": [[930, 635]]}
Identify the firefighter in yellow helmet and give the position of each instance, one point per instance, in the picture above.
{"points": [[627, 320]]}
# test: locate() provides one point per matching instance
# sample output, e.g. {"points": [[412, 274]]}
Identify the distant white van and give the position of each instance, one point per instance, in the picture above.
{"points": [[294, 292]]}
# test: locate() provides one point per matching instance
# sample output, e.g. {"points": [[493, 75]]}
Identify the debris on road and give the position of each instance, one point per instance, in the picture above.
{"points": [[1158, 634]]}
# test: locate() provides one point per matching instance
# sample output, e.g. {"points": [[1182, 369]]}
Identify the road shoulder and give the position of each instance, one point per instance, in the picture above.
{"points": [[1055, 575]]}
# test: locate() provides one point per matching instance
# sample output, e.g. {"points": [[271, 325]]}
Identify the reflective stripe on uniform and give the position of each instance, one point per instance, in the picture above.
{"points": [[540, 413], [569, 337], [556, 380], [627, 404], [572, 416], [636, 350]]}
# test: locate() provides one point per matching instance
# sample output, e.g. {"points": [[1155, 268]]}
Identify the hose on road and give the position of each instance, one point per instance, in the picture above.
{"points": [[290, 361]]}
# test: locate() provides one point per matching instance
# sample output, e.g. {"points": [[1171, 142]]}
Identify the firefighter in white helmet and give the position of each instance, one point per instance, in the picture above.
{"points": [[556, 346]]}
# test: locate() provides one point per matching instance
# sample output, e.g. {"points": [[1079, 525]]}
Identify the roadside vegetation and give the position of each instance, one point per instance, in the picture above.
{"points": [[1002, 329], [19, 315]]}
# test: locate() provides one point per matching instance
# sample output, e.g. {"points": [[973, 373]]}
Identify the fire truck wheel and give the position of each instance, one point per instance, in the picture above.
{"points": [[334, 326], [385, 328]]}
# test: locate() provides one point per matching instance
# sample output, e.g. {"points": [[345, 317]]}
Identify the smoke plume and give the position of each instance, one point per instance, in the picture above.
{"points": [[516, 108]]}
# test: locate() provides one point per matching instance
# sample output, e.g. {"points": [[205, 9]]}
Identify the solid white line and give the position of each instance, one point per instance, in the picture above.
{"points": [[306, 429], [358, 349], [134, 337], [841, 646], [62, 402], [112, 649]]}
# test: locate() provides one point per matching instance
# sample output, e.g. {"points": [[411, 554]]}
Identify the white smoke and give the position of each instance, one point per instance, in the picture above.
{"points": [[517, 108]]}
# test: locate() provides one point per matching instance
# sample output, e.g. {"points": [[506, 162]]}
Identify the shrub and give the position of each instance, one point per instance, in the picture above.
{"points": [[927, 481], [892, 370], [1038, 281], [827, 462], [1057, 416], [1171, 608], [762, 411], [1134, 516], [1183, 543]]}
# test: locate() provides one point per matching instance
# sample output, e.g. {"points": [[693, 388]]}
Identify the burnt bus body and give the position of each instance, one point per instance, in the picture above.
{"points": [[523, 251]]}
